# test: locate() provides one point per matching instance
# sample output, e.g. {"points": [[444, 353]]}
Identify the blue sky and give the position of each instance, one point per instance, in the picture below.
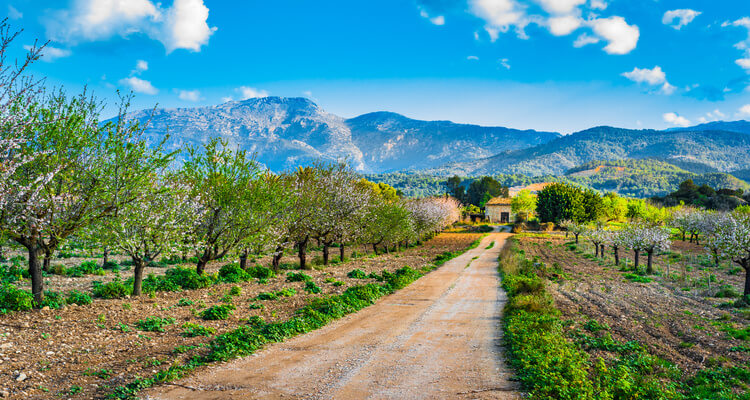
{"points": [[561, 65]]}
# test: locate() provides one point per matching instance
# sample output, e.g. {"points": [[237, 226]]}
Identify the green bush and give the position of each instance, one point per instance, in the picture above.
{"points": [[727, 291], [115, 289], [53, 300], [153, 283], [288, 292], [357, 274], [14, 299], [298, 277], [76, 297], [85, 268], [111, 265], [235, 291], [218, 312], [311, 287], [185, 302], [193, 330], [187, 278], [12, 273], [232, 273], [154, 324], [261, 272]]}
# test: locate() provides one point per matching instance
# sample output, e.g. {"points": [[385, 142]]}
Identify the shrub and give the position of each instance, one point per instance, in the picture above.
{"points": [[357, 274], [193, 330], [111, 265], [256, 306], [235, 291], [53, 300], [85, 268], [298, 277], [727, 291], [218, 312], [185, 302], [444, 257], [153, 283], [288, 292], [187, 278], [76, 297], [154, 324], [232, 273], [311, 287], [58, 269], [115, 289], [14, 299], [261, 272], [13, 273]]}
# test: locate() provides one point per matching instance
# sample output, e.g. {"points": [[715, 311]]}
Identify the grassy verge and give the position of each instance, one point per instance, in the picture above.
{"points": [[247, 339], [553, 361]]}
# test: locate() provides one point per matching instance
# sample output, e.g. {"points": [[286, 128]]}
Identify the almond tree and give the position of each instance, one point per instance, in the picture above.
{"points": [[643, 237], [732, 236], [231, 197], [573, 227], [83, 171], [682, 220], [598, 236], [151, 225]]}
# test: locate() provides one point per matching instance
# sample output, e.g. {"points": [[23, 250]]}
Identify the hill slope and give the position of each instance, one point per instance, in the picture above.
{"points": [[288, 132], [719, 150]]}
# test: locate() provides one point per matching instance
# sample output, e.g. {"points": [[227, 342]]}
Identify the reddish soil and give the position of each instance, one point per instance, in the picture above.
{"points": [[680, 326]]}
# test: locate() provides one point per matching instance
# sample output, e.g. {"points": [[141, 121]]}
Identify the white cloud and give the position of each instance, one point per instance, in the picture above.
{"points": [[13, 13], [621, 37], [676, 120], [139, 85], [226, 99], [499, 15], [743, 45], [504, 63], [439, 20], [50, 53], [745, 110], [186, 26], [247, 92], [560, 6], [190, 95], [472, 58], [598, 5], [564, 25], [140, 66], [711, 116], [682, 17], [181, 26], [585, 39], [652, 77]]}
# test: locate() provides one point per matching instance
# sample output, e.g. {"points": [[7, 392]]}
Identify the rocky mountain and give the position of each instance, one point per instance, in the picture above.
{"points": [[704, 150], [392, 142], [288, 132]]}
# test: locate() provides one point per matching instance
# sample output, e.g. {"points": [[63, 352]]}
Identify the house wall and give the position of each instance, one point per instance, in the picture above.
{"points": [[493, 213]]}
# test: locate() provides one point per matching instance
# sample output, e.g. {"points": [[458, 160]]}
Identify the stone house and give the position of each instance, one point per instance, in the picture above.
{"points": [[498, 210]]}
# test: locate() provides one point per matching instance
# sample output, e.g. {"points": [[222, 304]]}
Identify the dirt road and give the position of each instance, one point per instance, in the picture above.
{"points": [[439, 338]]}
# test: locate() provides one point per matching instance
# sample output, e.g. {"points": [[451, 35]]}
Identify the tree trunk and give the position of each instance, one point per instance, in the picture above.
{"points": [[46, 262], [35, 270], [302, 252], [602, 251], [243, 259], [637, 260], [576, 236], [276, 262], [375, 248], [342, 252], [616, 250], [683, 236], [105, 257], [650, 263], [201, 266], [746, 265], [138, 266], [325, 253], [596, 250]]}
